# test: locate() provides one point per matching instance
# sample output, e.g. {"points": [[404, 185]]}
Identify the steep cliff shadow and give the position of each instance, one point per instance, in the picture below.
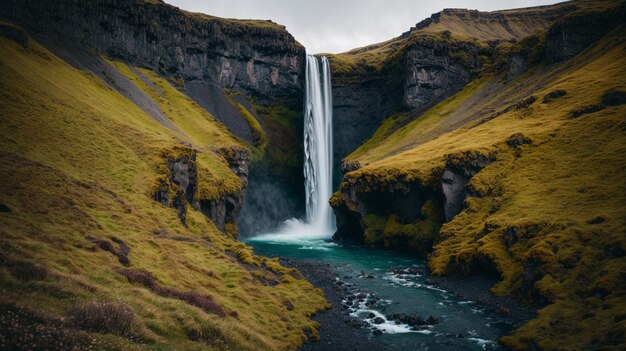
{"points": [[213, 100]]}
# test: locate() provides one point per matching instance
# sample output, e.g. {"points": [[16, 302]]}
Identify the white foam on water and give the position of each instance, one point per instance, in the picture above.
{"points": [[482, 342], [387, 326]]}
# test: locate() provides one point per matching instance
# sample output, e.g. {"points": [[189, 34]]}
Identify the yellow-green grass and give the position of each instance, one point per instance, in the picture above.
{"points": [[564, 195], [197, 126], [78, 160]]}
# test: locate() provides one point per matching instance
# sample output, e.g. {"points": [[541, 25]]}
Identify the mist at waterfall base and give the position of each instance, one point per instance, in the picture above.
{"points": [[380, 282]]}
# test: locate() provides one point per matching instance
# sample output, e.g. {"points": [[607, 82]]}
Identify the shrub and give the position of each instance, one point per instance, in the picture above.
{"points": [[191, 297], [139, 276], [28, 271], [103, 317], [23, 329]]}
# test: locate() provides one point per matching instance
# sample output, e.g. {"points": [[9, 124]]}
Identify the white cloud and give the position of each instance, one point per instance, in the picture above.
{"points": [[340, 25]]}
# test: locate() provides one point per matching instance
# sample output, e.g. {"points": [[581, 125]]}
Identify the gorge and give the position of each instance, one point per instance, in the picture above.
{"points": [[175, 180]]}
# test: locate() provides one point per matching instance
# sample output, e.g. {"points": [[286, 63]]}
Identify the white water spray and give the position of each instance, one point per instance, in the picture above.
{"points": [[318, 159]]}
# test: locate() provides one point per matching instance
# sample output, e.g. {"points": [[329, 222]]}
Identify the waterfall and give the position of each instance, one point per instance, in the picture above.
{"points": [[318, 144], [318, 161]]}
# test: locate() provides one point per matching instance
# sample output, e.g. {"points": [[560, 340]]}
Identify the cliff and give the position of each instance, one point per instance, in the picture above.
{"points": [[125, 162], [515, 176], [423, 66], [248, 74]]}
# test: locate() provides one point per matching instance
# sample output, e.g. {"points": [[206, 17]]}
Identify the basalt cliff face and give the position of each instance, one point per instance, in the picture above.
{"points": [[481, 158], [257, 57]]}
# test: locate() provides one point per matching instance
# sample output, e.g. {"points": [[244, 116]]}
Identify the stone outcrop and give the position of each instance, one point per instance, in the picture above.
{"points": [[428, 71], [224, 210], [573, 34], [177, 187], [401, 211], [457, 173]]}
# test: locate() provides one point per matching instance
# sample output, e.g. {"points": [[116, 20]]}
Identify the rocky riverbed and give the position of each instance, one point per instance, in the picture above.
{"points": [[354, 324]]}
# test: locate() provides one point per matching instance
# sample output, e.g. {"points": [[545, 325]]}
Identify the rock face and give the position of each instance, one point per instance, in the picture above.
{"points": [[257, 57], [428, 71], [436, 69], [224, 210], [401, 211], [571, 35], [457, 173], [178, 187]]}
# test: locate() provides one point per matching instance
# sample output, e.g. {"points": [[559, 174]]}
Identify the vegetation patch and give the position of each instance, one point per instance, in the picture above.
{"points": [[103, 317], [145, 278]]}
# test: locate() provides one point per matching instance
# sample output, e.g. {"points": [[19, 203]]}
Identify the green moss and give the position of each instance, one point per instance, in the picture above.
{"points": [[374, 227]]}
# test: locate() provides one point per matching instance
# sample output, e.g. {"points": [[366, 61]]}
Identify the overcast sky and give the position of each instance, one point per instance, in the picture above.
{"points": [[331, 26]]}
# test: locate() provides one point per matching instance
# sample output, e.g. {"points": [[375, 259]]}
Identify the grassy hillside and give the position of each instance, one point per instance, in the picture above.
{"points": [[88, 258], [547, 214]]}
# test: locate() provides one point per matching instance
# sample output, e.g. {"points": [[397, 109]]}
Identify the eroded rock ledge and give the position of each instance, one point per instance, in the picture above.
{"points": [[178, 187], [401, 210]]}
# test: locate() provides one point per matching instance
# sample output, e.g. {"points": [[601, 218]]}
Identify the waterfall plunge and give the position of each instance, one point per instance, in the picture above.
{"points": [[318, 144], [318, 159]]}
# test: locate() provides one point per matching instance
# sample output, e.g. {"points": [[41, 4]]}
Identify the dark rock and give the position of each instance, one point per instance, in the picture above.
{"points": [[525, 103], [587, 109], [459, 170], [532, 273], [349, 166], [511, 236], [518, 139], [415, 320], [572, 34], [377, 332], [453, 185], [517, 65], [596, 220], [371, 315], [432, 320], [553, 95], [14, 33], [378, 320], [614, 98]]}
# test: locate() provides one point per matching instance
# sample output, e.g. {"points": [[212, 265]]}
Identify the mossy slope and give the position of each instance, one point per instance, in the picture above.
{"points": [[78, 167], [547, 212]]}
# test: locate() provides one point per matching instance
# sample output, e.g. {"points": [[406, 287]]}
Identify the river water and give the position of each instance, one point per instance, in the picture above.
{"points": [[463, 325]]}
